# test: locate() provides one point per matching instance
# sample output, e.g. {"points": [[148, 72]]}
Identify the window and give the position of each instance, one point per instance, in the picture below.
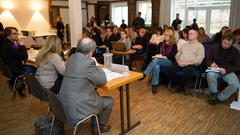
{"points": [[119, 12], [145, 7], [210, 14]]}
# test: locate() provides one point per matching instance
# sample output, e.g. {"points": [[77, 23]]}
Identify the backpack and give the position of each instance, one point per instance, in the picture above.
{"points": [[43, 126]]}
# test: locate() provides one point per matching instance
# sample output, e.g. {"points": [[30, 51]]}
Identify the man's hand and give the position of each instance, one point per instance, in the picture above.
{"points": [[214, 65], [223, 71], [102, 46], [137, 47]]}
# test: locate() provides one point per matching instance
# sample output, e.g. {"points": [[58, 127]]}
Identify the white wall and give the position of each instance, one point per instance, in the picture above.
{"points": [[24, 17], [91, 11], [64, 12]]}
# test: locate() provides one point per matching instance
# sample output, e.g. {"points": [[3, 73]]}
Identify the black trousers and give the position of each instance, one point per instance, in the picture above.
{"points": [[185, 76], [57, 85]]}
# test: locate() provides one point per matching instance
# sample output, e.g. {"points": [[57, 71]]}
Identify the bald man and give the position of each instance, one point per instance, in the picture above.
{"points": [[78, 93], [189, 56]]}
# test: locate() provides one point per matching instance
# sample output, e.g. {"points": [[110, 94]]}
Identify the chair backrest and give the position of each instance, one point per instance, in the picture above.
{"points": [[5, 70], [56, 106], [35, 87]]}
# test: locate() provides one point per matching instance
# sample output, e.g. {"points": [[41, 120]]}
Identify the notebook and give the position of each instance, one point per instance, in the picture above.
{"points": [[118, 46]]}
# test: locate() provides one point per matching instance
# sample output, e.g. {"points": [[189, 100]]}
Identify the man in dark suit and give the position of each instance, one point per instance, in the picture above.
{"points": [[176, 22], [138, 22], [78, 93], [13, 54]]}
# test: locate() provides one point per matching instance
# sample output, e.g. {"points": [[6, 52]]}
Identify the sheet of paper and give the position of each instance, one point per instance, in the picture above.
{"points": [[111, 75], [210, 69], [160, 56]]}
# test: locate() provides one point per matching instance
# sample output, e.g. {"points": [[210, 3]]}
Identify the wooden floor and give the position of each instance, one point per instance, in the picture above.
{"points": [[161, 114]]}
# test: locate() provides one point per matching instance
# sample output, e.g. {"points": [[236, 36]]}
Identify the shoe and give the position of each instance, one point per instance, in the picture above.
{"points": [[144, 76], [104, 128], [175, 90], [154, 89], [187, 92], [214, 101]]}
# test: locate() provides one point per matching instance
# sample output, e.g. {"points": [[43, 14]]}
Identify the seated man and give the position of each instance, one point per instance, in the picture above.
{"points": [[13, 54], [78, 93], [189, 56], [225, 57]]}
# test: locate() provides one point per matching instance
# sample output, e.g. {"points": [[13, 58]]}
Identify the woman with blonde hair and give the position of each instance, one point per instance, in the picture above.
{"points": [[164, 59], [50, 65]]}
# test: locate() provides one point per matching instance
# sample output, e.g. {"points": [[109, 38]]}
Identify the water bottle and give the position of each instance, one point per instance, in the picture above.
{"points": [[107, 50], [107, 59]]}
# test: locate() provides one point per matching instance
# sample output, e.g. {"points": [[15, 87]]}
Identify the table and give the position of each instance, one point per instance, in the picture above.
{"points": [[120, 83], [123, 53]]}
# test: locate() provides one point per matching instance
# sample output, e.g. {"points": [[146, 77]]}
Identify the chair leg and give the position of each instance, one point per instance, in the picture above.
{"points": [[169, 85], [75, 128], [49, 108], [200, 84], [29, 107], [14, 85], [2, 87], [50, 132], [97, 123], [195, 85]]}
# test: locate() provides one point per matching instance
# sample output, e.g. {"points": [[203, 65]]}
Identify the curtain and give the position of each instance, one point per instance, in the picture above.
{"points": [[165, 12], [234, 21]]}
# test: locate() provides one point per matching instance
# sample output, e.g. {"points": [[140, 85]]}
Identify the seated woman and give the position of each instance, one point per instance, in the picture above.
{"points": [[168, 50], [153, 45], [202, 36], [125, 39], [140, 46], [50, 66], [183, 38]]}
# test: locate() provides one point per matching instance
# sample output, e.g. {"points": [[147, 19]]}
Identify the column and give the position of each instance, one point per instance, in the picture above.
{"points": [[75, 19], [131, 11]]}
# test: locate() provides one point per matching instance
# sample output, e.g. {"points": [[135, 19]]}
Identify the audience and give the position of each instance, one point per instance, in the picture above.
{"points": [[188, 57], [168, 50], [194, 24], [50, 64], [123, 25], [138, 22], [107, 41], [126, 40], [96, 36], [225, 57], [183, 38], [13, 54], [116, 35], [78, 93], [157, 37], [103, 32], [237, 36], [217, 38], [132, 35], [60, 28], [202, 36], [140, 46], [176, 22]]}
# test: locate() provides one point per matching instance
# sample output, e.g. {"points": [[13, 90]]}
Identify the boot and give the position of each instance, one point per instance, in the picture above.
{"points": [[154, 89], [213, 100]]}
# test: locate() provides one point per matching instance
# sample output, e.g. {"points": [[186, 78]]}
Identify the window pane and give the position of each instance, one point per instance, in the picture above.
{"points": [[146, 9], [119, 12], [219, 18]]}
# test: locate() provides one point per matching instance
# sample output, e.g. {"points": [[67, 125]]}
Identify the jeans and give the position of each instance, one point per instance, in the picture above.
{"points": [[231, 79], [155, 67]]}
